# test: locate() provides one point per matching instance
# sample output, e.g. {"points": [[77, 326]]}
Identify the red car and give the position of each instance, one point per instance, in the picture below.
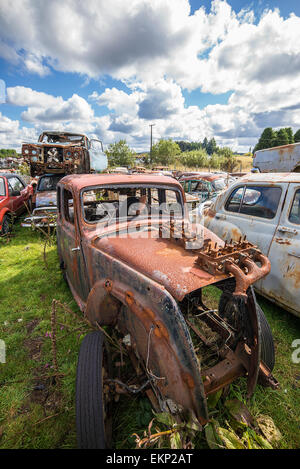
{"points": [[14, 195]]}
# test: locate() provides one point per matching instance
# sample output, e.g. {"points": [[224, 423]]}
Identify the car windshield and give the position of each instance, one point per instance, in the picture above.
{"points": [[62, 138], [48, 183], [112, 203], [2, 187], [219, 184]]}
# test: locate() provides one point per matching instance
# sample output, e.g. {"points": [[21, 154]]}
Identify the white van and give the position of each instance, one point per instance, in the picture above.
{"points": [[285, 158]]}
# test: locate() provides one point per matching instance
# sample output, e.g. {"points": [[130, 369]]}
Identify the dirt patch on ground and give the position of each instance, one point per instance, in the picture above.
{"points": [[45, 389], [34, 347], [30, 326]]}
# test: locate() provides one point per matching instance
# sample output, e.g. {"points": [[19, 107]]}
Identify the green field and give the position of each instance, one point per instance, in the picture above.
{"points": [[37, 401]]}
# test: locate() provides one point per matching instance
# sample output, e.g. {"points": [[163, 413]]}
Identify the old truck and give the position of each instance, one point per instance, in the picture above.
{"points": [[134, 263], [65, 153], [266, 207], [285, 158], [52, 157]]}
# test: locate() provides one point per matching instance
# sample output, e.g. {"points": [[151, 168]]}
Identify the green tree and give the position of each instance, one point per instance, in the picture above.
{"points": [[266, 139], [297, 136], [194, 159], [119, 154], [290, 134], [215, 161], [211, 146], [281, 138], [228, 161], [165, 152], [205, 143]]}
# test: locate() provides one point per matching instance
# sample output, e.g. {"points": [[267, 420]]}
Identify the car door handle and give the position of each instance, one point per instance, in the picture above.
{"points": [[284, 229], [76, 249], [220, 217]]}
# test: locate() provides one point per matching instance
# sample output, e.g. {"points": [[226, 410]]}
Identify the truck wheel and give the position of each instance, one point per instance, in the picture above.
{"points": [[90, 405], [228, 311], [5, 226]]}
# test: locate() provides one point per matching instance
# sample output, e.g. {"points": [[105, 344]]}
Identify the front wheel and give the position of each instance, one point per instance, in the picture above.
{"points": [[90, 403], [6, 226]]}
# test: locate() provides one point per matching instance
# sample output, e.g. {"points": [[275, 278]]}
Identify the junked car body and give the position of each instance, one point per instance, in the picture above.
{"points": [[64, 152], [280, 159], [266, 207], [133, 261], [44, 202], [55, 155], [15, 197], [206, 185]]}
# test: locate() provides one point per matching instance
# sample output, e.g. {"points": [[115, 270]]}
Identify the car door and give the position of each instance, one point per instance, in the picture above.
{"points": [[70, 247], [284, 254], [16, 194], [251, 209]]}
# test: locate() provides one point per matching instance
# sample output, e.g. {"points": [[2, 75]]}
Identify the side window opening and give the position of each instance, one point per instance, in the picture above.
{"points": [[256, 201], [234, 201], [68, 206], [294, 216]]}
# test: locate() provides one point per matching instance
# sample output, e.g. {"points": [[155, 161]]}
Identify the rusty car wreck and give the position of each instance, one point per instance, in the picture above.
{"points": [[52, 157], [135, 263]]}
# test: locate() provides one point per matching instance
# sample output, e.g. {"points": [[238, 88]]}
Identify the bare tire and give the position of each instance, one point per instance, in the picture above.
{"points": [[89, 393], [5, 226]]}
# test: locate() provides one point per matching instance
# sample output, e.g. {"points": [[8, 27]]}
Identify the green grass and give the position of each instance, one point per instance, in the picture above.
{"points": [[45, 418]]}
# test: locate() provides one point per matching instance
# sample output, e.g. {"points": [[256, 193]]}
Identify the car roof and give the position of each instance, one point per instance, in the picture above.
{"points": [[270, 177], [10, 175], [80, 181], [205, 176]]}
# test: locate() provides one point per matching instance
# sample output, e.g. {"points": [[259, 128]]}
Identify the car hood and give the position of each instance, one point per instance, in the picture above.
{"points": [[44, 199], [163, 260]]}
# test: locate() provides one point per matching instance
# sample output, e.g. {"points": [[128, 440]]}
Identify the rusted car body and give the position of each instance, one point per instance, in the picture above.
{"points": [[266, 207], [145, 273], [55, 155], [278, 159], [44, 202], [204, 185], [65, 153]]}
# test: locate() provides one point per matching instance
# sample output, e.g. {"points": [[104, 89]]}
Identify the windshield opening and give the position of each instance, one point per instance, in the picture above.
{"points": [[49, 183], [108, 204], [62, 138]]}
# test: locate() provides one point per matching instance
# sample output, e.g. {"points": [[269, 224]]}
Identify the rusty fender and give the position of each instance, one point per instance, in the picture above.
{"points": [[159, 334]]}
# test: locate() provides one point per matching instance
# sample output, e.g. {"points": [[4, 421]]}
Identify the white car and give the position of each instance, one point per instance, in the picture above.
{"points": [[265, 208]]}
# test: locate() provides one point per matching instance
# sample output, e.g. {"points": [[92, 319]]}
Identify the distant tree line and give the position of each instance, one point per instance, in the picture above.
{"points": [[4, 153], [166, 152], [275, 138], [209, 146]]}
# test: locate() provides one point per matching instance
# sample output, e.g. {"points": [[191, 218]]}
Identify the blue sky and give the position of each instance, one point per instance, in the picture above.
{"points": [[193, 68]]}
